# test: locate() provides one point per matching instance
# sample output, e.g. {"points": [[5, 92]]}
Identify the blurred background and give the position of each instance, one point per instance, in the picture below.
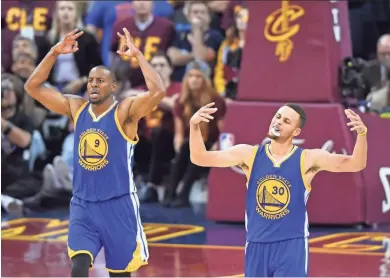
{"points": [[249, 57]]}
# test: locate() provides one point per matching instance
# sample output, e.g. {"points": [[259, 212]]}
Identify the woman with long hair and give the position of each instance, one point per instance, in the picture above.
{"points": [[197, 91], [74, 66], [226, 71]]}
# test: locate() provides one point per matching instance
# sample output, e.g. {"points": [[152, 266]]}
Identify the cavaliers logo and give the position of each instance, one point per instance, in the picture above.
{"points": [[279, 28], [93, 149], [273, 197]]}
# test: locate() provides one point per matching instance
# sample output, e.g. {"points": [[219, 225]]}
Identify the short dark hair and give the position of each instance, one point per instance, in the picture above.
{"points": [[164, 55], [300, 111], [112, 74]]}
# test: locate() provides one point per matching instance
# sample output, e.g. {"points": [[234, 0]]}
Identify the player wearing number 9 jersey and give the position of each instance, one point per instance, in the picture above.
{"points": [[104, 210], [278, 186]]}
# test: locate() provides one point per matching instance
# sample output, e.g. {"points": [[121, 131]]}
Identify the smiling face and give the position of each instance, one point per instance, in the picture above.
{"points": [[100, 85], [285, 125]]}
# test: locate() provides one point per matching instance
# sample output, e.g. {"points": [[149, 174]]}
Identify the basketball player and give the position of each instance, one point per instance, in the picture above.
{"points": [[279, 176], [104, 210]]}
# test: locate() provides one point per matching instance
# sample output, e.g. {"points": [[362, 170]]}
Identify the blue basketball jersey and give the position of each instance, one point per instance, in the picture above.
{"points": [[276, 197], [103, 156]]}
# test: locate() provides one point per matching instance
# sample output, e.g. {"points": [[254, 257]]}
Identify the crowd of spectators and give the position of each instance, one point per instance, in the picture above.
{"points": [[196, 46]]}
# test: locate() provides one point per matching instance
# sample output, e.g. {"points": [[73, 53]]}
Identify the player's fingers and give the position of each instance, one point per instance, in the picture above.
{"points": [[353, 123], [127, 34], [208, 110], [120, 35], [207, 116], [72, 33], [209, 104], [352, 112], [76, 36]]}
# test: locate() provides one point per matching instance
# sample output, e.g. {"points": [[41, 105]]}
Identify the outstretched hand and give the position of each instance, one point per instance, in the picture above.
{"points": [[204, 114], [69, 43], [355, 124], [128, 48]]}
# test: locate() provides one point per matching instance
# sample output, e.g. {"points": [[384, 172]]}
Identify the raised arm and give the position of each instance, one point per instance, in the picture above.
{"points": [[239, 155], [50, 97], [143, 104], [321, 160]]}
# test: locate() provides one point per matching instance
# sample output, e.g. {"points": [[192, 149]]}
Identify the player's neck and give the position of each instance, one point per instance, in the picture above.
{"points": [[280, 149], [99, 109]]}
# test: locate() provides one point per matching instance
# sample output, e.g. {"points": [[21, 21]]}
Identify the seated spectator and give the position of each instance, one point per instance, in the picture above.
{"points": [[16, 134], [23, 66], [377, 77], [229, 58], [149, 33], [67, 17], [201, 42], [161, 126], [196, 92], [24, 45], [29, 19]]}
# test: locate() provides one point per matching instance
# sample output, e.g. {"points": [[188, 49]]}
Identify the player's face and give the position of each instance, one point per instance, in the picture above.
{"points": [[284, 125], [161, 65], [143, 7], [100, 85], [195, 80], [66, 12]]}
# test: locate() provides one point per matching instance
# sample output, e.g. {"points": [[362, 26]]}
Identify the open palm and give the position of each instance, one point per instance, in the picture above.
{"points": [[128, 48], [69, 43]]}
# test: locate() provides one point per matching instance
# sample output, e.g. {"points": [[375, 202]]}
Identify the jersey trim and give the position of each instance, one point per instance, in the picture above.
{"points": [[276, 163], [96, 119], [250, 166], [307, 185], [76, 116], [119, 126]]}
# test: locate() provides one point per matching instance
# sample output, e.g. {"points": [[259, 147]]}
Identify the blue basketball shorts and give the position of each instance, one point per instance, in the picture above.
{"points": [[288, 258], [114, 224]]}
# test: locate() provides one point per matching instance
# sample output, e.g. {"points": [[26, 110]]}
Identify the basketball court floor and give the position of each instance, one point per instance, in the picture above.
{"points": [[183, 243]]}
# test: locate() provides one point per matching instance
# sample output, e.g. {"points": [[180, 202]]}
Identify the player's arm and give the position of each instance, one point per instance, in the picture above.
{"points": [[143, 104], [238, 155], [322, 160], [50, 97]]}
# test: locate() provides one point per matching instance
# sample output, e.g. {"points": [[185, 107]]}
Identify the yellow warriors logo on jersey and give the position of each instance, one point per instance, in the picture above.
{"points": [[273, 197], [280, 28], [93, 149]]}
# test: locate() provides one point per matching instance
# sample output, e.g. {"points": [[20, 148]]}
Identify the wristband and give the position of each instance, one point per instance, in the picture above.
{"points": [[363, 133]]}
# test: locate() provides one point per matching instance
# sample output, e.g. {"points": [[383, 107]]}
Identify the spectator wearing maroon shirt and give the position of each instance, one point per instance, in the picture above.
{"points": [[196, 92], [161, 126], [201, 42], [150, 35], [30, 19]]}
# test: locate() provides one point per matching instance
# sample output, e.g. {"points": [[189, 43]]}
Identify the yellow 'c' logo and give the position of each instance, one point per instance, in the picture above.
{"points": [[278, 29]]}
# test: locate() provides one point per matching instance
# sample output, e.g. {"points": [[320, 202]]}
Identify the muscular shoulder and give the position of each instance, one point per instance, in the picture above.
{"points": [[245, 152], [75, 104], [312, 156]]}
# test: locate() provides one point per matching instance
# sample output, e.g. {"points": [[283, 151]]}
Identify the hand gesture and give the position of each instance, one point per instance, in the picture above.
{"points": [[69, 43], [128, 48], [355, 122], [204, 114]]}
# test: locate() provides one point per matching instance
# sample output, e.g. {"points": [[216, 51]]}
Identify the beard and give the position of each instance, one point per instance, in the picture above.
{"points": [[272, 136]]}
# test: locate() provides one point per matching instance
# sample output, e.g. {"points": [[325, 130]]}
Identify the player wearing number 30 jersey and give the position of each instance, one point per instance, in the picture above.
{"points": [[279, 175]]}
